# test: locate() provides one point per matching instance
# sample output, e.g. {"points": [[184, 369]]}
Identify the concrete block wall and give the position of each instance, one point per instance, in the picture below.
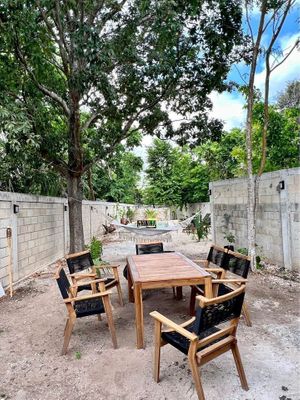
{"points": [[40, 230], [191, 209], [277, 222]]}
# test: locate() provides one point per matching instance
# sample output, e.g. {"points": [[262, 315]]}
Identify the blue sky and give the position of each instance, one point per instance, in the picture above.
{"points": [[229, 107]]}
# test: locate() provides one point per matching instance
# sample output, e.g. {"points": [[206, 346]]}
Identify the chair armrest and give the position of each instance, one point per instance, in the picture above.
{"points": [[182, 325], [214, 269], [204, 301], [229, 280], [78, 276], [201, 261], [166, 321], [102, 266], [87, 283], [88, 296]]}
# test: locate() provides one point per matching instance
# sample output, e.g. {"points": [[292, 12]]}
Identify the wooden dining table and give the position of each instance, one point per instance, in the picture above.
{"points": [[161, 270]]}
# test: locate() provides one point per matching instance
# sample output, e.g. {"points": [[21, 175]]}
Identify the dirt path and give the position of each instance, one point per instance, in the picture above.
{"points": [[31, 332]]}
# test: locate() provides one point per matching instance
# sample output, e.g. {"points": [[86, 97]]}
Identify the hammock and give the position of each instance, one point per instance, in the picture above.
{"points": [[155, 231]]}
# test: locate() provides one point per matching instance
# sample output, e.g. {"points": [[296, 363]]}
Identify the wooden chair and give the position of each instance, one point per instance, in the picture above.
{"points": [[78, 262], [218, 257], [235, 263], [200, 338], [149, 248], [82, 306]]}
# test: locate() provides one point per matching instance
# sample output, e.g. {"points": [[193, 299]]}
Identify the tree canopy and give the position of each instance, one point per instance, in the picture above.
{"points": [[87, 74]]}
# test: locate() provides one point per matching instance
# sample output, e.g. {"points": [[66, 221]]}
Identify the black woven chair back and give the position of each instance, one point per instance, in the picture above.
{"points": [[149, 248], [216, 314], [218, 257], [80, 263], [237, 265], [63, 284]]}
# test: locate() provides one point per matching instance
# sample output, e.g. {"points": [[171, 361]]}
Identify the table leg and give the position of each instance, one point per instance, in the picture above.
{"points": [[139, 316], [179, 293], [208, 287], [129, 281]]}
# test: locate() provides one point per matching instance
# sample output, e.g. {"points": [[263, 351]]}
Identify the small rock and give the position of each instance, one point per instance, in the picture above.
{"points": [[284, 388]]}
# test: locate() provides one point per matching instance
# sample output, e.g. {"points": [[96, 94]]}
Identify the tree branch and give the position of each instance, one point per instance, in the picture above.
{"points": [[54, 96]]}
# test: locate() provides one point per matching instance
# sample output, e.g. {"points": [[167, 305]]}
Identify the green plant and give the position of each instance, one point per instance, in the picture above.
{"points": [[77, 355], [96, 249], [202, 226], [229, 236], [243, 250], [130, 214], [151, 214]]}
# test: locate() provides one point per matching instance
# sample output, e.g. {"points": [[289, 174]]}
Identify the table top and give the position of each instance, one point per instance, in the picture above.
{"points": [[162, 267]]}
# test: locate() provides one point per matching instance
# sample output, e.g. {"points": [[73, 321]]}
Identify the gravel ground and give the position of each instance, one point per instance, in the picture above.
{"points": [[31, 335]]}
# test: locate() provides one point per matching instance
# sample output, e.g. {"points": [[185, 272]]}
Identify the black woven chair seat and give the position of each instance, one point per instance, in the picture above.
{"points": [[84, 308], [182, 343], [223, 289]]}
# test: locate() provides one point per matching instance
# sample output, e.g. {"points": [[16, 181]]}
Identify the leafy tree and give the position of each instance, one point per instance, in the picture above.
{"points": [[290, 96], [163, 187], [118, 179], [90, 72], [175, 176]]}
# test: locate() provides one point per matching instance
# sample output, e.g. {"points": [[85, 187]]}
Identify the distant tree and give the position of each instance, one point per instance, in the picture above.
{"points": [[101, 69], [163, 186], [118, 179], [290, 96], [175, 176]]}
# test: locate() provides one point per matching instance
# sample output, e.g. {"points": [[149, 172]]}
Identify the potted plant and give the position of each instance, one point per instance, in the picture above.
{"points": [[151, 216], [123, 220], [130, 214]]}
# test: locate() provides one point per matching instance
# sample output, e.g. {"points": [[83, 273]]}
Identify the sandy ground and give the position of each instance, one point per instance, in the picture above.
{"points": [[31, 333]]}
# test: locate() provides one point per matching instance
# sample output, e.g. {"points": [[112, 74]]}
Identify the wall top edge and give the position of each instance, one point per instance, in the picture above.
{"points": [[32, 198], [267, 175]]}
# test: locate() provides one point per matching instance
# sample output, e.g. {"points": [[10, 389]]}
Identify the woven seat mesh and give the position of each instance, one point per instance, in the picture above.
{"points": [[87, 307], [181, 342], [217, 257], [216, 314], [238, 266], [80, 263], [149, 248], [63, 284]]}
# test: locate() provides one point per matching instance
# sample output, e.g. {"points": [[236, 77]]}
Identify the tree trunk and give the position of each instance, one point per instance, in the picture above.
{"points": [[251, 178], [75, 194]]}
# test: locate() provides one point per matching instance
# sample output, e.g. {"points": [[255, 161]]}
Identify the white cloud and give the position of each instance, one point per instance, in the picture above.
{"points": [[289, 70], [229, 108]]}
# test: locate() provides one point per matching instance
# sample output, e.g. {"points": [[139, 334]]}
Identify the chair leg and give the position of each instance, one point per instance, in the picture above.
{"points": [[110, 321], [196, 377], [157, 340], [246, 314], [120, 295], [239, 366], [192, 301], [67, 335]]}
